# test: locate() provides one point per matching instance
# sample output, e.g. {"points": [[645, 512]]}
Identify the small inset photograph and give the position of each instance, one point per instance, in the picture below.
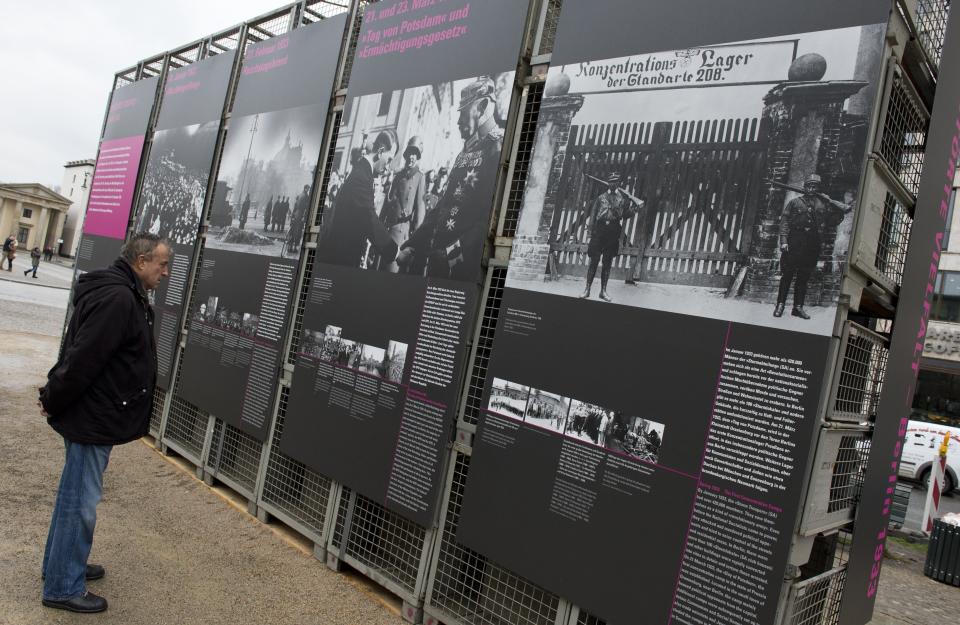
{"points": [[635, 436], [311, 343], [348, 353], [547, 410], [207, 311], [508, 398], [588, 422], [248, 325], [394, 361], [371, 360]]}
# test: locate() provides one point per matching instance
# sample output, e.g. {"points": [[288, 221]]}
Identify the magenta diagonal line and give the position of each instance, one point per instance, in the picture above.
{"points": [[686, 536]]}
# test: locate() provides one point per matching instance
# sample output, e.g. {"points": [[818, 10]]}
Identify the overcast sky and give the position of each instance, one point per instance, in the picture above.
{"points": [[57, 61]]}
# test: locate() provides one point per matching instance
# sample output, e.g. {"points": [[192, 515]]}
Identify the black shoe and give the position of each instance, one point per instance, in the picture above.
{"points": [[799, 312], [86, 603], [94, 572], [778, 310]]}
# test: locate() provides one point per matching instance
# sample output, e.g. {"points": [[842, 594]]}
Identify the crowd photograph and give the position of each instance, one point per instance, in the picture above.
{"points": [[215, 313], [175, 182]]}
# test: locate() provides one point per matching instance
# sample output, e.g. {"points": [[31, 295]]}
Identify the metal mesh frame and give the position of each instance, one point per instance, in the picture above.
{"points": [[859, 379], [816, 601], [585, 618], [521, 164], [904, 136], [894, 237], [186, 429], [322, 9], [186, 56], [484, 344], [124, 78], [836, 482], [291, 489], [354, 38], [224, 42], [931, 24], [467, 588], [156, 412], [548, 32], [234, 458], [328, 167], [381, 544], [152, 67], [272, 25]]}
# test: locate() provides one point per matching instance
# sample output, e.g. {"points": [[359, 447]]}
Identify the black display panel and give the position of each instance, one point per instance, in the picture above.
{"points": [[395, 286], [115, 176], [927, 241], [258, 219], [661, 349], [175, 185]]}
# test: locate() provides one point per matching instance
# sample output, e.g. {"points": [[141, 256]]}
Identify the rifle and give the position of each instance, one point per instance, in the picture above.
{"points": [[801, 191], [625, 193]]}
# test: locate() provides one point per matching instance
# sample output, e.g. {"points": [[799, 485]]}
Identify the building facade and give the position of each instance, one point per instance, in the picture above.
{"points": [[937, 397], [77, 180], [33, 213]]}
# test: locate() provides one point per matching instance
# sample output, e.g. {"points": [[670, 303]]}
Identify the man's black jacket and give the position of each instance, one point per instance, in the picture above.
{"points": [[100, 392]]}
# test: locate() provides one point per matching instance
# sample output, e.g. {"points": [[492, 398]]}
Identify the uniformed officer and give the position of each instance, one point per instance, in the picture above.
{"points": [[608, 212], [801, 241], [405, 209], [451, 236]]}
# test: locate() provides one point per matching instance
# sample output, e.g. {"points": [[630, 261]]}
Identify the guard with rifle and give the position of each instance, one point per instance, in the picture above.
{"points": [[608, 211], [801, 239]]}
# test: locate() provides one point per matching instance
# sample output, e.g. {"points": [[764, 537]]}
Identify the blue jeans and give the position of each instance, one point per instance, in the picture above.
{"points": [[74, 517]]}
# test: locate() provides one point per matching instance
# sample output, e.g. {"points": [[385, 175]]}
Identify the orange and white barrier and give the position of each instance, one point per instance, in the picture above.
{"points": [[938, 470]]}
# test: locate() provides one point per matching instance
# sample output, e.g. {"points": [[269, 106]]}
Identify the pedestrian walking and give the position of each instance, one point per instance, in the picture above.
{"points": [[9, 252], [98, 394], [34, 261]]}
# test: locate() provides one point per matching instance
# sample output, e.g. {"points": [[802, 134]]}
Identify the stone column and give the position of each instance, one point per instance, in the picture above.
{"points": [[805, 120], [42, 227], [531, 244], [60, 217]]}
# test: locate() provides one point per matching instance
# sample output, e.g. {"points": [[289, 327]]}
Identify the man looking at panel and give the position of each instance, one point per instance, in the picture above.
{"points": [[99, 394]]}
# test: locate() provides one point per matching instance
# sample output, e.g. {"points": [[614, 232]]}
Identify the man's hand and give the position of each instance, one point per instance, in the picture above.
{"points": [[405, 256], [42, 411]]}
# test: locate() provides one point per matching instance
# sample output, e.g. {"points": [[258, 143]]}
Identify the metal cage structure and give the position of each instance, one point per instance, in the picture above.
{"points": [[859, 377]]}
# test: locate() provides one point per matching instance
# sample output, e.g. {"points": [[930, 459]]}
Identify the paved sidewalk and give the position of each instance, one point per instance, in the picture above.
{"points": [[57, 273]]}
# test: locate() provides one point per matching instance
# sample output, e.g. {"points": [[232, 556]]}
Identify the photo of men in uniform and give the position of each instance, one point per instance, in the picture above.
{"points": [[715, 185], [418, 168], [508, 398]]}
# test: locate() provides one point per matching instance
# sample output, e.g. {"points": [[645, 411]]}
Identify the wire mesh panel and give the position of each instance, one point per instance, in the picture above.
{"points": [[328, 168], [156, 412], [234, 457], [186, 56], [271, 26], [894, 237], [860, 377], [381, 544], [816, 601], [322, 9], [484, 343], [125, 78], [290, 489], [152, 67], [186, 428], [837, 479], [931, 26], [904, 136], [352, 46], [467, 588], [549, 33], [224, 42], [528, 129]]}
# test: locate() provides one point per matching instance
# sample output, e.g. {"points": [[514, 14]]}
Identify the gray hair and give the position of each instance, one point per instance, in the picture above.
{"points": [[141, 244]]}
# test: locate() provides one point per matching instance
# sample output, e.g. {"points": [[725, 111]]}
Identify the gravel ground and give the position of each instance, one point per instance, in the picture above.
{"points": [[175, 551]]}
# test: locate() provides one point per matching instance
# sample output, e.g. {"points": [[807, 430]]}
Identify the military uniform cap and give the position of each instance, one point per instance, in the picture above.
{"points": [[812, 178], [477, 90], [613, 178]]}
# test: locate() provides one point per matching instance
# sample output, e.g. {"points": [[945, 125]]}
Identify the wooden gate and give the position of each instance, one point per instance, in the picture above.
{"points": [[700, 182]]}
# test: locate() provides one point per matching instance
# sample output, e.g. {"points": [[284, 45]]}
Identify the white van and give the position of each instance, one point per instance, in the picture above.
{"points": [[920, 446]]}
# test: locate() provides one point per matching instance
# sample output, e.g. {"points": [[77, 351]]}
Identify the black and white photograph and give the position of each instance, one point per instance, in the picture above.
{"points": [[395, 360], [348, 354], [261, 200], [372, 360], [413, 178], [634, 436], [215, 312], [718, 181], [546, 410], [588, 422], [175, 183], [508, 398], [321, 344]]}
